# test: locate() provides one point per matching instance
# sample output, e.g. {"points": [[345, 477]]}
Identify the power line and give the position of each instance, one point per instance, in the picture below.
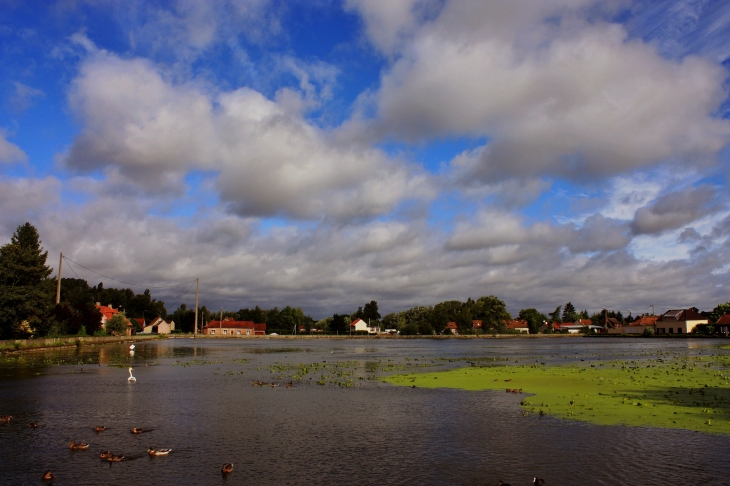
{"points": [[128, 283], [183, 295]]}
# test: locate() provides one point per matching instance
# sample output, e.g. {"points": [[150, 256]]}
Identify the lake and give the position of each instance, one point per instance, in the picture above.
{"points": [[337, 424]]}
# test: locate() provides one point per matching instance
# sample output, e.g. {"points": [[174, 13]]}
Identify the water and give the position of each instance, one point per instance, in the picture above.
{"points": [[198, 398]]}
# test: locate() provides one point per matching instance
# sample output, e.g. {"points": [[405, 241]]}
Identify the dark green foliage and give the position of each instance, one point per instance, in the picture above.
{"points": [[26, 292], [569, 314], [370, 312], [185, 318], [718, 311], [340, 324], [133, 305], [117, 325], [534, 319], [493, 312], [555, 315]]}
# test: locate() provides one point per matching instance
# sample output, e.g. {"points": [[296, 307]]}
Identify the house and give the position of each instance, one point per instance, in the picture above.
{"points": [[476, 324], [230, 327], [723, 324], [107, 312], [679, 321], [451, 327], [612, 323], [583, 322], [578, 326], [360, 325], [519, 325], [159, 325], [637, 327]]}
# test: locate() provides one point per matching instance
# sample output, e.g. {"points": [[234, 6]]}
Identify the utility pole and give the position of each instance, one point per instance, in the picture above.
{"points": [[220, 323], [58, 285], [197, 288], [652, 309]]}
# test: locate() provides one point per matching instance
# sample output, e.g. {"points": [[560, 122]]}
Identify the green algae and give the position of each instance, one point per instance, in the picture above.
{"points": [[691, 393]]}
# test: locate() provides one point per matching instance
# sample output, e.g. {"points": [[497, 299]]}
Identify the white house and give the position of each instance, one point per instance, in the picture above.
{"points": [[360, 325], [679, 321], [158, 325]]}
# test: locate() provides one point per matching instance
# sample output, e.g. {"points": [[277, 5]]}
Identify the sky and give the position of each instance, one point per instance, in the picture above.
{"points": [[323, 154]]}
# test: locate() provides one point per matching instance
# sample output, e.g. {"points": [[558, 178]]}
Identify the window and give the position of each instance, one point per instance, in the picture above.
{"points": [[679, 330], [225, 331], [212, 331], [248, 333], [671, 330], [238, 332]]}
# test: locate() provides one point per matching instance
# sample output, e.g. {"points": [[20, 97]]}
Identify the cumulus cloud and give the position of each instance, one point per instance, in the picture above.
{"points": [[9, 152], [568, 98], [674, 210], [269, 160]]}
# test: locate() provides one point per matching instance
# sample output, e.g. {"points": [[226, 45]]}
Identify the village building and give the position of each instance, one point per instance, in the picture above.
{"points": [[452, 328], [679, 321], [360, 325], [229, 327], [159, 325], [637, 327], [107, 312], [476, 324], [723, 324], [518, 325]]}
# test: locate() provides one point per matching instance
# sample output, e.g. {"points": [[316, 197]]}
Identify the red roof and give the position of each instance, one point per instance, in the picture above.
{"points": [[451, 325], [140, 320], [585, 322], [231, 324], [675, 315], [355, 321], [725, 319], [645, 321], [107, 311], [476, 324], [517, 324]]}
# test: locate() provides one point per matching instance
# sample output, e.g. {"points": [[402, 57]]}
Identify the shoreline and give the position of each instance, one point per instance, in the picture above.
{"points": [[20, 345]]}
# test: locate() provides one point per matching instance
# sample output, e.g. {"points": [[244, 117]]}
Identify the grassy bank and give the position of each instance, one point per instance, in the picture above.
{"points": [[683, 393], [43, 343]]}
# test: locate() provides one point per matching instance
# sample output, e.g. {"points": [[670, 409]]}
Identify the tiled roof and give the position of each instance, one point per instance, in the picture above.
{"points": [[681, 315], [645, 321], [724, 320], [477, 324], [451, 325], [231, 324], [517, 324]]}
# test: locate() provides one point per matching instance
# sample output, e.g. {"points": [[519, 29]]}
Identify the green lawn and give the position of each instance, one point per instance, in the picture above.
{"points": [[685, 393]]}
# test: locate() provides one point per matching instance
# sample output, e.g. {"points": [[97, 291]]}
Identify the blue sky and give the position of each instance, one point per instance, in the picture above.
{"points": [[325, 154]]}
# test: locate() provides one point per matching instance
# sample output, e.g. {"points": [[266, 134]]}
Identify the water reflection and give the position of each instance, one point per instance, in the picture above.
{"points": [[337, 425]]}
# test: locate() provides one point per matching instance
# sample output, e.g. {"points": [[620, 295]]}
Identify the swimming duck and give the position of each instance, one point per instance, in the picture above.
{"points": [[100, 428], [158, 452], [227, 468], [538, 482], [78, 446], [48, 475], [135, 430], [32, 425], [5, 418], [104, 454], [115, 458]]}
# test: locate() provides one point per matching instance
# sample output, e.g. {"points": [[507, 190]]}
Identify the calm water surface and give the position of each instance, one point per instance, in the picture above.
{"points": [[198, 398]]}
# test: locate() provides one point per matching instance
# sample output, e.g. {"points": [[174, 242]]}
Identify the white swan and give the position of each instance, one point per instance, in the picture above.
{"points": [[131, 348], [131, 378]]}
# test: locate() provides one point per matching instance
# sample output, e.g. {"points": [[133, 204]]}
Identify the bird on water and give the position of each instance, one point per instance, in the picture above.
{"points": [[227, 468], [131, 378], [48, 475], [538, 482]]}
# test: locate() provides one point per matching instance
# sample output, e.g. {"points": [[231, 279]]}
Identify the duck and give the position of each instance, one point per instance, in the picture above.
{"points": [[538, 482], [78, 446], [115, 458], [227, 468], [158, 452], [32, 425], [135, 430], [100, 428], [274, 385], [104, 454], [48, 475], [5, 418]]}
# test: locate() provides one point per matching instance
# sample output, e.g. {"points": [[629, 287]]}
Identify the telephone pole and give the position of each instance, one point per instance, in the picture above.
{"points": [[58, 285], [197, 288]]}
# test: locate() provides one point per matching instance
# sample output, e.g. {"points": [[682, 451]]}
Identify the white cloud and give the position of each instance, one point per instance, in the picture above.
{"points": [[269, 160], [9, 152], [569, 98]]}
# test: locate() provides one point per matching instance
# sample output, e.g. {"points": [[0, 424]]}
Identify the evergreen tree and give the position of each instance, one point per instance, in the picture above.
{"points": [[26, 292], [569, 314], [555, 315]]}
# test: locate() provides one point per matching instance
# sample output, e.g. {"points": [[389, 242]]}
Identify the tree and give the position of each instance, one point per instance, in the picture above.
{"points": [[340, 323], [370, 312], [26, 292], [534, 319], [117, 325], [555, 315], [569, 314], [493, 313], [719, 311]]}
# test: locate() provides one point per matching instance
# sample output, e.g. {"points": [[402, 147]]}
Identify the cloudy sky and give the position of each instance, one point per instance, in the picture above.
{"points": [[323, 154]]}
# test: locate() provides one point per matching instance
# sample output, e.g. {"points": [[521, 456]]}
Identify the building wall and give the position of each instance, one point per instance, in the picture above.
{"points": [[677, 327]]}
